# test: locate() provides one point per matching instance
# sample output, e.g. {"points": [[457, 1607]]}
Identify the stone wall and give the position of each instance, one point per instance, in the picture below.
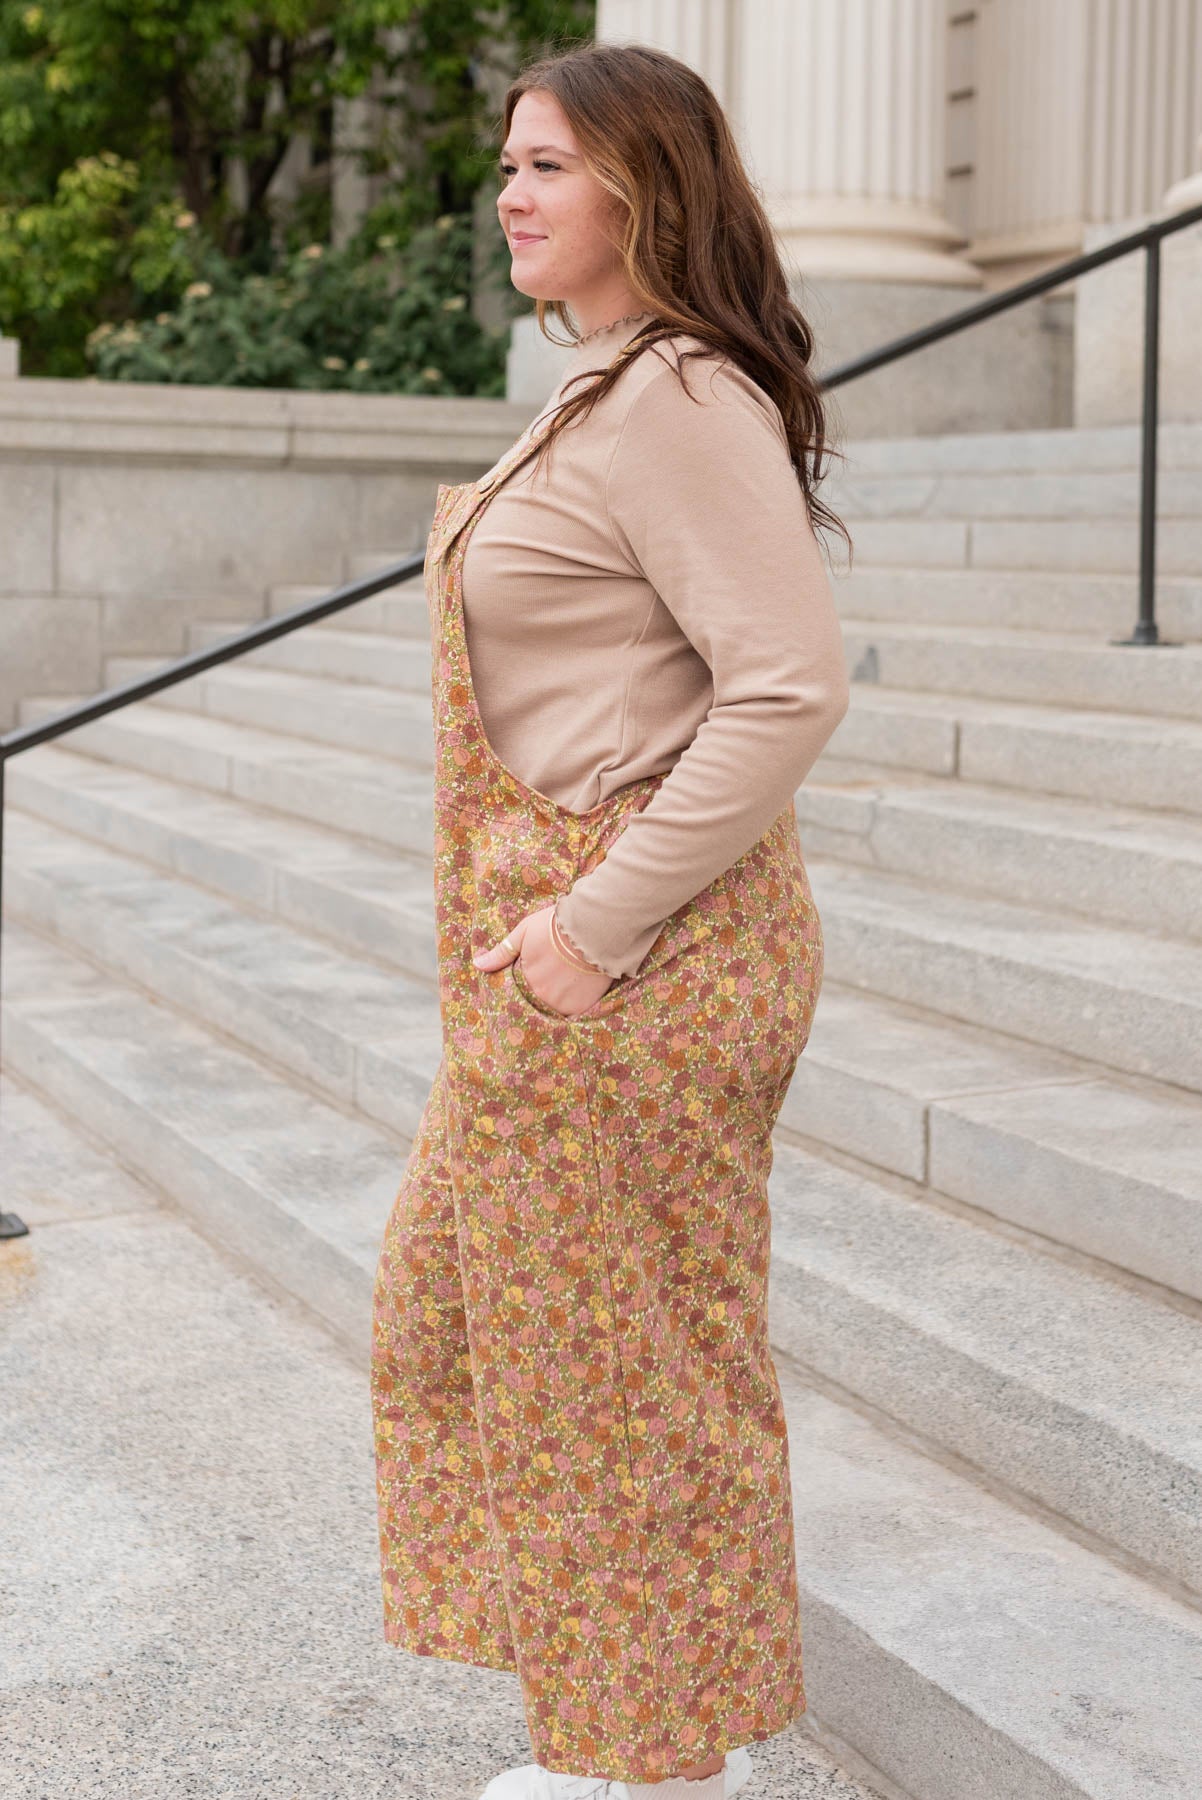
{"points": [[129, 509]]}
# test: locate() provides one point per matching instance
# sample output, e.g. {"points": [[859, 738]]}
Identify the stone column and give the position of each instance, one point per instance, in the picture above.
{"points": [[840, 110], [1085, 112], [1186, 193], [1145, 80], [700, 32], [842, 106], [10, 358]]}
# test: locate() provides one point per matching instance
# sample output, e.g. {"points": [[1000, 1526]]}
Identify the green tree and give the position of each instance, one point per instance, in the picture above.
{"points": [[119, 118]]}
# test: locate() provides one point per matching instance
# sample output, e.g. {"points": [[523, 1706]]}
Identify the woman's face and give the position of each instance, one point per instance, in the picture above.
{"points": [[559, 222]]}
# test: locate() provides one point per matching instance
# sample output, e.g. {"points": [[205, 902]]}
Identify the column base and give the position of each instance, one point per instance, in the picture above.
{"points": [[850, 239], [1110, 330], [1012, 372]]}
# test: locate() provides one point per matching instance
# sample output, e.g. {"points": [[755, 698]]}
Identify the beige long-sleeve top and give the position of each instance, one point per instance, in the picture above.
{"points": [[655, 599]]}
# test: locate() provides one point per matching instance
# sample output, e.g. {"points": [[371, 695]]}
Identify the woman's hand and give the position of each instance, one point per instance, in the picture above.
{"points": [[550, 977]]}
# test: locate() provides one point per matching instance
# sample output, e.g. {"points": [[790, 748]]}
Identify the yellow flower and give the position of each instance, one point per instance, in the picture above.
{"points": [[431, 374], [363, 362], [184, 221], [198, 290], [313, 251], [454, 303], [333, 362]]}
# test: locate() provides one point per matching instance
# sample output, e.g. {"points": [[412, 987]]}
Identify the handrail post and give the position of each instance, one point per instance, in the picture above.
{"points": [[10, 1225], [1145, 630]]}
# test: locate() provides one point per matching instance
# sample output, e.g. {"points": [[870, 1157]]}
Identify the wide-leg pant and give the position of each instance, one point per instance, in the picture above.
{"points": [[582, 1454]]}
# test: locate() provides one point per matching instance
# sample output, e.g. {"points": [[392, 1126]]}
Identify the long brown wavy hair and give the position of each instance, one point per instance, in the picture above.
{"points": [[696, 243]]}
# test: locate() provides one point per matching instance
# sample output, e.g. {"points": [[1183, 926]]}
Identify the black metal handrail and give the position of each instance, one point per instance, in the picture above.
{"points": [[1148, 238], [26, 736]]}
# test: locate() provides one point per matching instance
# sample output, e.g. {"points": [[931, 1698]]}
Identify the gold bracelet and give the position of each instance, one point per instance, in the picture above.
{"points": [[563, 948], [568, 951]]}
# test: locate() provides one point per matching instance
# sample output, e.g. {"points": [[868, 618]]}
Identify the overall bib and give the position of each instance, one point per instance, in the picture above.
{"points": [[581, 1452]]}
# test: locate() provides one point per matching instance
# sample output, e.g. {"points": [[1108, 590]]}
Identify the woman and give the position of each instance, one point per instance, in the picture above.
{"points": [[581, 1447]]}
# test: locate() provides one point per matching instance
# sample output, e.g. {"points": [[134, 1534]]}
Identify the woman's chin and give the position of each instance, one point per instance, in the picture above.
{"points": [[530, 285]]}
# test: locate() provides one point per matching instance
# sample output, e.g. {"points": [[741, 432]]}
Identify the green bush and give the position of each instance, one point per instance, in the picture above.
{"points": [[370, 317], [61, 257]]}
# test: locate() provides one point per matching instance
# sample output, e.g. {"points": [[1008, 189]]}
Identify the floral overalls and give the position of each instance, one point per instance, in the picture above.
{"points": [[581, 1452]]}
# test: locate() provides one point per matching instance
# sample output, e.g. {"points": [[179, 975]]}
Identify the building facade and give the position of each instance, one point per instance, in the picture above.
{"points": [[914, 154]]}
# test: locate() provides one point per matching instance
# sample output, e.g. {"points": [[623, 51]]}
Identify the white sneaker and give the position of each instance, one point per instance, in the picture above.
{"points": [[533, 1782]]}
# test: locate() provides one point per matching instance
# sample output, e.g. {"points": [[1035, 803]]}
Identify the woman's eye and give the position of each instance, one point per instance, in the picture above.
{"points": [[506, 169]]}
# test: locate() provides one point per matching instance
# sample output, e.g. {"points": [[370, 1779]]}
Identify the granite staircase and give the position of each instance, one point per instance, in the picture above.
{"points": [[987, 1275]]}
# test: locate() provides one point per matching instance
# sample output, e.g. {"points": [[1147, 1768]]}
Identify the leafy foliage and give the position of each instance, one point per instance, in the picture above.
{"points": [[363, 318], [120, 117]]}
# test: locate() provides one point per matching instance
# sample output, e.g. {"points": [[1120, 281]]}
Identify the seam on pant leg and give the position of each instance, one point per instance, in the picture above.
{"points": [[652, 1646]]}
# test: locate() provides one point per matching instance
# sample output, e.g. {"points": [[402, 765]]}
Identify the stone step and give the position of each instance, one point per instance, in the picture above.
{"points": [[388, 802], [353, 715], [1049, 1142], [1089, 1407], [855, 1253], [858, 495], [1050, 449], [1103, 1163], [367, 562], [1033, 964], [1125, 758], [398, 612], [1108, 545], [1095, 606], [375, 658], [1032, 667], [1106, 862], [293, 1185], [321, 685], [922, 1097], [1098, 607], [969, 1650], [1121, 998], [1026, 666], [967, 1647], [873, 1106], [320, 1012]]}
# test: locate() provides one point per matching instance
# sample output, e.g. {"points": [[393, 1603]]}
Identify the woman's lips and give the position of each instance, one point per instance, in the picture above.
{"points": [[518, 240]]}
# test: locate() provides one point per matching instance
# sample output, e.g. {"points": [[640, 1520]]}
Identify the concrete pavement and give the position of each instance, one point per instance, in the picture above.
{"points": [[188, 1557]]}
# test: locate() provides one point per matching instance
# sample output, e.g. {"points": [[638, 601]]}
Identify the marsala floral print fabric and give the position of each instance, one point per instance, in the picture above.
{"points": [[583, 1469]]}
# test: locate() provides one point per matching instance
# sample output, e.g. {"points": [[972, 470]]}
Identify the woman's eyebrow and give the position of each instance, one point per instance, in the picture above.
{"points": [[538, 149]]}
